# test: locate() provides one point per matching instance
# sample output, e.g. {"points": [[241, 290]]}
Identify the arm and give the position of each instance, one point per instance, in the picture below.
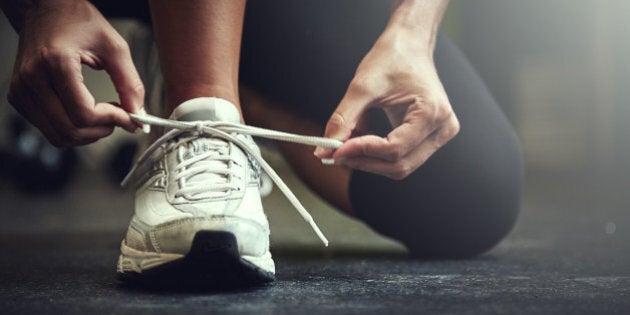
{"points": [[201, 38], [47, 88], [398, 75]]}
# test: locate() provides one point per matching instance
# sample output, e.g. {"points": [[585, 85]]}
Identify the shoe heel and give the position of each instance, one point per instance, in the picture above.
{"points": [[213, 261], [210, 246]]}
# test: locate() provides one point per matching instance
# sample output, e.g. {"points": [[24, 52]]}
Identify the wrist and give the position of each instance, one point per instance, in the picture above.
{"points": [[415, 23], [23, 12], [406, 42]]}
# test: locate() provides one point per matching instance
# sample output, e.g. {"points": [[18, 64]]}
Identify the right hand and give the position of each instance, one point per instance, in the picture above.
{"points": [[47, 87], [398, 76]]}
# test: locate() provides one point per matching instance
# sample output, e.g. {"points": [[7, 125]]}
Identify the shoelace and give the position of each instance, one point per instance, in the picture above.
{"points": [[203, 174], [222, 130]]}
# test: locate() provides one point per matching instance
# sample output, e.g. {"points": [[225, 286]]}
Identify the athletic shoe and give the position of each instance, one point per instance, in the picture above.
{"points": [[198, 212]]}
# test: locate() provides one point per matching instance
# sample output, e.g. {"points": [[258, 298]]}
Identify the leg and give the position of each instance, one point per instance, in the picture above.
{"points": [[461, 203], [199, 44], [198, 217]]}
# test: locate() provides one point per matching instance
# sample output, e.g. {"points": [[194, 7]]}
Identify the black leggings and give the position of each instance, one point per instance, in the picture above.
{"points": [[465, 198]]}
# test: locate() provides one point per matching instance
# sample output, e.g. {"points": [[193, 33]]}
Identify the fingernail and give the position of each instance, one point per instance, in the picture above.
{"points": [[318, 151]]}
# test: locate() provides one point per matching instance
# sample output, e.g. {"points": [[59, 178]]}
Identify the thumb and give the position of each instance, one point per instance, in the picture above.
{"points": [[342, 122], [126, 80]]}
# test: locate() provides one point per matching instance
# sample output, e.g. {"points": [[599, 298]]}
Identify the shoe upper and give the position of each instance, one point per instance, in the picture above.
{"points": [[198, 182]]}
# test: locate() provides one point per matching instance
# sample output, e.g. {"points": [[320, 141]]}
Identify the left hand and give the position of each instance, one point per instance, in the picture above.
{"points": [[403, 82]]}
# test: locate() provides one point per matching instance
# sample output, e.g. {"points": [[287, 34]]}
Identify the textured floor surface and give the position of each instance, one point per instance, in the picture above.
{"points": [[570, 253]]}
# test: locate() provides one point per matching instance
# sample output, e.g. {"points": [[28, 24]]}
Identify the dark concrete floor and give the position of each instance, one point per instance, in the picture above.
{"points": [[570, 253]]}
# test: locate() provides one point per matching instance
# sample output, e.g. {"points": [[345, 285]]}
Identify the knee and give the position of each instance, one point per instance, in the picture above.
{"points": [[445, 232], [441, 219], [459, 236]]}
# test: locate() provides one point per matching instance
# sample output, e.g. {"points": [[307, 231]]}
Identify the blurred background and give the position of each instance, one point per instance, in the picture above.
{"points": [[560, 70]]}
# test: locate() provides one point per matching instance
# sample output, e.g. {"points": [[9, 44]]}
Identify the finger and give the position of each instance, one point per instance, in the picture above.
{"points": [[46, 100], [23, 104], [113, 113], [119, 65], [408, 164], [344, 120], [69, 132], [396, 145], [419, 121], [77, 99], [395, 170]]}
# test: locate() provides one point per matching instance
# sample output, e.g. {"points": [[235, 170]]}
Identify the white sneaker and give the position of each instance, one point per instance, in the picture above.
{"points": [[198, 213]]}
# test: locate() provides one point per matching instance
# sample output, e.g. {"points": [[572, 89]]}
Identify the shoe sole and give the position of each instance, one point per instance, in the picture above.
{"points": [[213, 261]]}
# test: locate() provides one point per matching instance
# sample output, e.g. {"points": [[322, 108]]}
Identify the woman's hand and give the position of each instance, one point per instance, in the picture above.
{"points": [[56, 38], [398, 76]]}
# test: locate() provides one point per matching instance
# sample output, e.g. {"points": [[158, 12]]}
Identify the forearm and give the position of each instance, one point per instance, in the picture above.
{"points": [[22, 12], [417, 22], [199, 45]]}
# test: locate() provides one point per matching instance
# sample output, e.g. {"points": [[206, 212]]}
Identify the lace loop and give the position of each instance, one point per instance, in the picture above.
{"points": [[223, 131]]}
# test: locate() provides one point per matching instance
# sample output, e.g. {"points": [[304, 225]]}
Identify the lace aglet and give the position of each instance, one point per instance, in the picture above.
{"points": [[146, 128], [318, 232]]}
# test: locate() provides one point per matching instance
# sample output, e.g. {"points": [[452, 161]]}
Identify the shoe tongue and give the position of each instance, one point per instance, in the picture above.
{"points": [[207, 108]]}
